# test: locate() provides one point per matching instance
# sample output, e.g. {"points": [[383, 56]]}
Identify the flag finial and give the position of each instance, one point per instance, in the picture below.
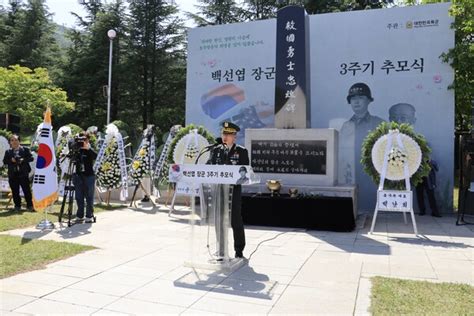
{"points": [[47, 115]]}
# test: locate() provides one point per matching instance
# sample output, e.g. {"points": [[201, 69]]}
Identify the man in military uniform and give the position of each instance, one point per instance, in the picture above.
{"points": [[353, 133], [229, 153], [243, 176], [362, 122]]}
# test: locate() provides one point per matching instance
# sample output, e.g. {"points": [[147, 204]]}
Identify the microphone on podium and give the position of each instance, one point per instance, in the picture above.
{"points": [[217, 143], [208, 148]]}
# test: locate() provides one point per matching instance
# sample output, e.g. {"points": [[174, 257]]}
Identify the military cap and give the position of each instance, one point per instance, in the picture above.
{"points": [[242, 168], [229, 128], [359, 88]]}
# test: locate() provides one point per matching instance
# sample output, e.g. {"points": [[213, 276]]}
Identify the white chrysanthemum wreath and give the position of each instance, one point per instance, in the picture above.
{"points": [[415, 152], [397, 156]]}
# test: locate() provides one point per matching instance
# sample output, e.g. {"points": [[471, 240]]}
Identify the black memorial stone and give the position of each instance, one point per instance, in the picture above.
{"points": [[289, 156]]}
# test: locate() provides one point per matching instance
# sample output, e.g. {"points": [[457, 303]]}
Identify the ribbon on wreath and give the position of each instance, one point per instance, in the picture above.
{"points": [[388, 147]]}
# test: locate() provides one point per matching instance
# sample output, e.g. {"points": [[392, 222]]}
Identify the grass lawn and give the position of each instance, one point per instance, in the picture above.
{"points": [[406, 297], [19, 255], [10, 219]]}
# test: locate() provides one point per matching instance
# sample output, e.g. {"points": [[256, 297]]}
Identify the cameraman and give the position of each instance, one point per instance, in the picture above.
{"points": [[83, 177], [18, 159]]}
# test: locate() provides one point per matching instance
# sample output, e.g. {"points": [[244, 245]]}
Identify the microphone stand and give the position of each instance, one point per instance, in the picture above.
{"points": [[202, 152], [205, 150]]}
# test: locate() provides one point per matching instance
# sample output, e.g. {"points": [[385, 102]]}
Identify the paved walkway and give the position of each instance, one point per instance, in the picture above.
{"points": [[138, 268]]}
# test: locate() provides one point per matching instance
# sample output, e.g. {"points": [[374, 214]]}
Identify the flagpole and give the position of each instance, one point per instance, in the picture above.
{"points": [[45, 223], [45, 185]]}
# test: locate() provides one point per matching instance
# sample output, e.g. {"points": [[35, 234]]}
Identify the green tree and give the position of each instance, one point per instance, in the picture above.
{"points": [[27, 92], [28, 35], [327, 6], [86, 75], [8, 19], [261, 9], [156, 64], [461, 58], [213, 12]]}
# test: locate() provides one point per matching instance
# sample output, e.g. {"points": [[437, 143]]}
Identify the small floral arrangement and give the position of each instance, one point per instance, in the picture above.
{"points": [[191, 151], [397, 158]]}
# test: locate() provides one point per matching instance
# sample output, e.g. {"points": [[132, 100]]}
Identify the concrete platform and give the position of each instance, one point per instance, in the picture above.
{"points": [[139, 267]]}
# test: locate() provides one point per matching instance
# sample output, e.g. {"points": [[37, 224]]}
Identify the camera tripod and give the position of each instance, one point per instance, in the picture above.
{"points": [[68, 195]]}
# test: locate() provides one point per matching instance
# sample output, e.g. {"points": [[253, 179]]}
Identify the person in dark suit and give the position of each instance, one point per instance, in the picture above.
{"points": [[18, 159], [428, 185], [229, 153], [406, 113]]}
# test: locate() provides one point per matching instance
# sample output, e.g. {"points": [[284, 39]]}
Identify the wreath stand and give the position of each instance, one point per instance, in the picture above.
{"points": [[107, 200], [142, 187], [180, 160], [98, 193], [114, 132], [394, 200], [162, 161], [148, 137]]}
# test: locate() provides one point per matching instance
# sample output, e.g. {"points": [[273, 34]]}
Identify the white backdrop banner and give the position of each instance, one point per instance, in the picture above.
{"points": [[231, 76], [396, 54], [392, 56]]}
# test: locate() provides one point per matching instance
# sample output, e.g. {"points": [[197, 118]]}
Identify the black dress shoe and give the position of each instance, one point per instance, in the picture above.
{"points": [[421, 213], [239, 254], [436, 215]]}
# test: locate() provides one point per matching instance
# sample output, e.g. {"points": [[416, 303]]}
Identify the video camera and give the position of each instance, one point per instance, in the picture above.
{"points": [[76, 143], [74, 146]]}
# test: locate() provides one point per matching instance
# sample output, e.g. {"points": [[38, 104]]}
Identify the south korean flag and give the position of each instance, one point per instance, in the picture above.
{"points": [[45, 180]]}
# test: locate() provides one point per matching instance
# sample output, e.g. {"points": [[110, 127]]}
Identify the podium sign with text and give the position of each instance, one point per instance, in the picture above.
{"points": [[212, 174]]}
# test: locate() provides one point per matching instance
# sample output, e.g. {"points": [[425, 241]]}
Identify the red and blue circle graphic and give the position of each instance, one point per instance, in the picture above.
{"points": [[45, 156]]}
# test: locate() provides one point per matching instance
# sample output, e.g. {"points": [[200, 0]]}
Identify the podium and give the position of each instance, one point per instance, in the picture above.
{"points": [[210, 226]]}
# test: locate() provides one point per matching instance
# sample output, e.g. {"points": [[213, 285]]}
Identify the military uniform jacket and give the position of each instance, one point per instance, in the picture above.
{"points": [[237, 155], [221, 155]]}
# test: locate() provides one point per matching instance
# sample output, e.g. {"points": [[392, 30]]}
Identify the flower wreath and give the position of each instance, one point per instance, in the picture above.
{"points": [[185, 131], [397, 157], [142, 163], [108, 175]]}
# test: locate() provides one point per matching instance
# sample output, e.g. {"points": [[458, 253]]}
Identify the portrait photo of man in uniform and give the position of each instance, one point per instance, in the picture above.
{"points": [[243, 176], [351, 137], [359, 98]]}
